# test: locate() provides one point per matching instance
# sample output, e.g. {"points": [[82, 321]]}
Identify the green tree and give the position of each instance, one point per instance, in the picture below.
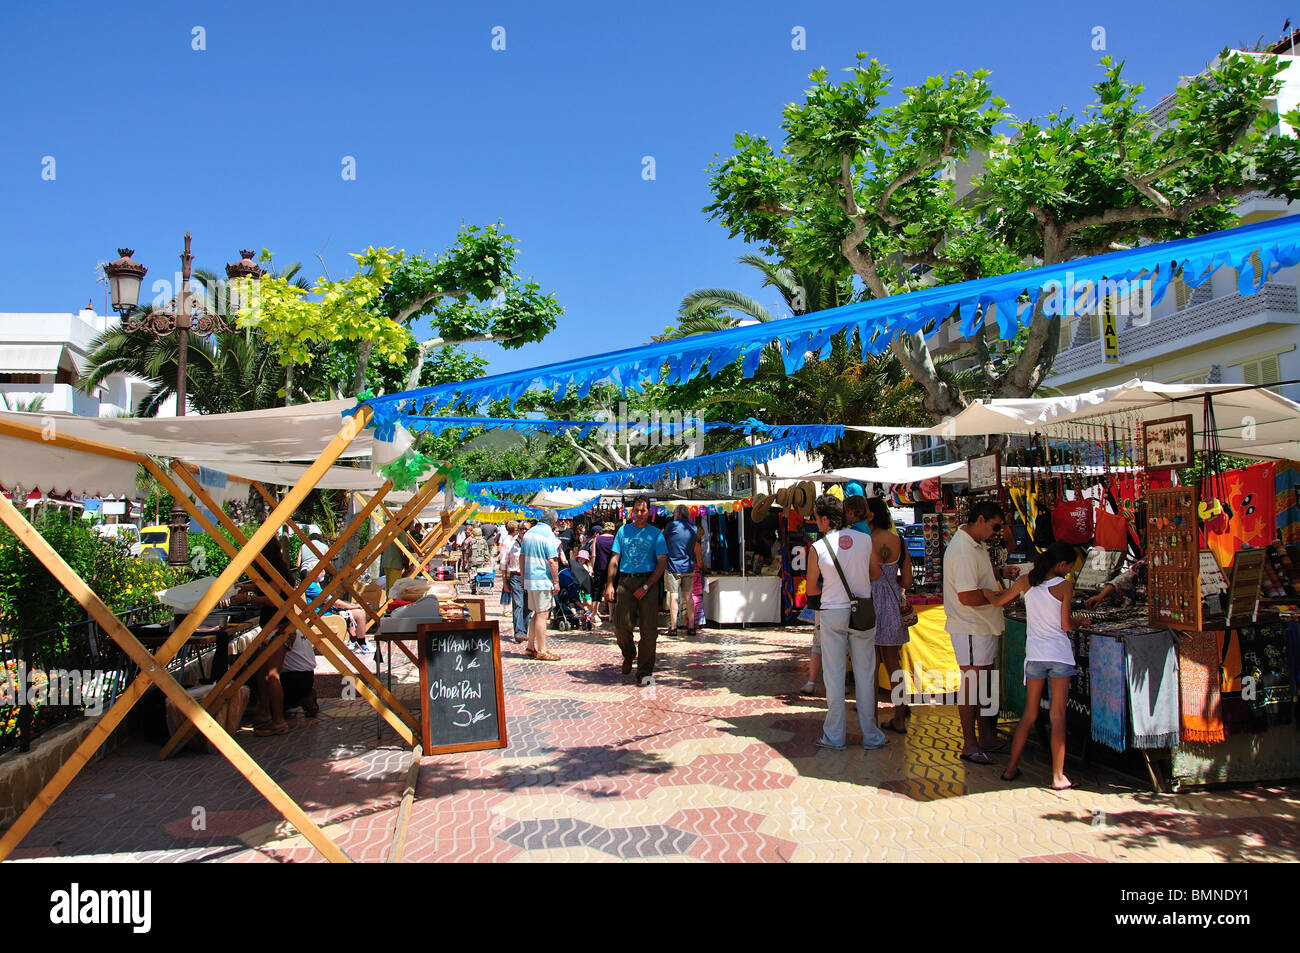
{"points": [[858, 188], [470, 293]]}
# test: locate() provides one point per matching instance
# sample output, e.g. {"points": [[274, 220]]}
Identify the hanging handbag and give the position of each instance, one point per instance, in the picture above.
{"points": [[907, 612], [1072, 521], [862, 611], [1112, 530]]}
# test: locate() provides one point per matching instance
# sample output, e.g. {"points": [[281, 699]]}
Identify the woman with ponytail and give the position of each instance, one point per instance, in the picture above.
{"points": [[1048, 653]]}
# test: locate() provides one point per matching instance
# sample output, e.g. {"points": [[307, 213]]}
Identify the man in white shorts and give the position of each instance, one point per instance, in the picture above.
{"points": [[973, 625], [541, 572]]}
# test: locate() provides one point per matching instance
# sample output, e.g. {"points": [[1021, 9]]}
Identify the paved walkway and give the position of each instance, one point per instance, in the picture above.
{"points": [[716, 762]]}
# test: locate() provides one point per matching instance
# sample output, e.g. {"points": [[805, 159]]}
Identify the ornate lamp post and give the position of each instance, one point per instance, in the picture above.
{"points": [[182, 317]]}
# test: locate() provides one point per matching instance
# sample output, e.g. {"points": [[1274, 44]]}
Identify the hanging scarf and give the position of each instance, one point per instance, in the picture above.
{"points": [[1108, 691], [1199, 686], [1152, 663]]}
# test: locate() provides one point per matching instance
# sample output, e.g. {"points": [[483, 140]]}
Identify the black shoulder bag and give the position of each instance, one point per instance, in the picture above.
{"points": [[862, 611]]}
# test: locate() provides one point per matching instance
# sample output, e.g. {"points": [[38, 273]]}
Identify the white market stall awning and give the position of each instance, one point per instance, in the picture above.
{"points": [[60, 470], [279, 434], [288, 474], [1250, 421]]}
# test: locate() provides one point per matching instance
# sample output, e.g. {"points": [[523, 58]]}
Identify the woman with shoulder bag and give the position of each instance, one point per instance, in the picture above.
{"points": [[839, 583]]}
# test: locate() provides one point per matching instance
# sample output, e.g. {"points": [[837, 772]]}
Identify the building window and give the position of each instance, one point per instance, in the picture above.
{"points": [[1264, 370], [65, 376], [929, 451], [1066, 339], [20, 378]]}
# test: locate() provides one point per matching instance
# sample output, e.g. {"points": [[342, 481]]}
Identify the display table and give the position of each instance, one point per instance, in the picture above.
{"points": [[927, 656], [752, 600]]}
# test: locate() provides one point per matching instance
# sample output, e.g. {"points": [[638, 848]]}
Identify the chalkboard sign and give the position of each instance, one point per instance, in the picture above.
{"points": [[462, 705]]}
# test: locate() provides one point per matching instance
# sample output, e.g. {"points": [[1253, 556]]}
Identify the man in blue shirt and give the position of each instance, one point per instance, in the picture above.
{"points": [[639, 560], [683, 555], [541, 572]]}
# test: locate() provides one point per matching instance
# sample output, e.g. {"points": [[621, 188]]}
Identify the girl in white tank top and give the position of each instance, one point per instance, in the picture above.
{"points": [[1047, 590]]}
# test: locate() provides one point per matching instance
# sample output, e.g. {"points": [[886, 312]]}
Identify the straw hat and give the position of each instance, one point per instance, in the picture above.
{"points": [[803, 497], [783, 497], [761, 505]]}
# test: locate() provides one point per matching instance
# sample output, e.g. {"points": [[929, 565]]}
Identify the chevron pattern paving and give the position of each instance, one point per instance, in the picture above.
{"points": [[716, 762]]}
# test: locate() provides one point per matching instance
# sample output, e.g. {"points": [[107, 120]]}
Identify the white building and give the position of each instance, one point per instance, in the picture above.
{"points": [[42, 356]]}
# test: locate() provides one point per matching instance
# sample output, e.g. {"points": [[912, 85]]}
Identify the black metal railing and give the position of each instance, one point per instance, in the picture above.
{"points": [[58, 675]]}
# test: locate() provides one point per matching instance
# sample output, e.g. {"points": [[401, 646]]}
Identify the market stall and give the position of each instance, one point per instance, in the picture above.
{"points": [[1188, 678]]}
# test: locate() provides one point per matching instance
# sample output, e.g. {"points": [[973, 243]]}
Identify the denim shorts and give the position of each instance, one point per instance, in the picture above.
{"points": [[1049, 670]]}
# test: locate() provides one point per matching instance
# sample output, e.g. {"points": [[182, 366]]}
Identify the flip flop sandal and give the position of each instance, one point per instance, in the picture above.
{"points": [[531, 653], [979, 757], [1066, 787], [1015, 774], [546, 657]]}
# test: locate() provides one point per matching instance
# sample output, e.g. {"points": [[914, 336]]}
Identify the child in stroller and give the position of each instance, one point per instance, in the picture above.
{"points": [[573, 605]]}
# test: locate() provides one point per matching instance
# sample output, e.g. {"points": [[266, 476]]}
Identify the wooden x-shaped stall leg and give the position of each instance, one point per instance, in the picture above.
{"points": [[303, 617], [397, 541], [448, 528], [372, 617], [153, 668]]}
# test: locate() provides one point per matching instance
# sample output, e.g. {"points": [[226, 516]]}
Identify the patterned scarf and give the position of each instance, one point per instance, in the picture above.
{"points": [[1199, 686], [1108, 688]]}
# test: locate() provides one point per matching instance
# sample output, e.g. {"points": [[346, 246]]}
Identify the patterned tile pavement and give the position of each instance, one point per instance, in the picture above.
{"points": [[716, 762]]}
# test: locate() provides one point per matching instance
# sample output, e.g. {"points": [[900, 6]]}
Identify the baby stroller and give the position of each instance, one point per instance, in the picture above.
{"points": [[570, 611]]}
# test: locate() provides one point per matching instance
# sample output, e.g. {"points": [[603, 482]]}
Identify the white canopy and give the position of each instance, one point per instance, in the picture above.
{"points": [[866, 475], [36, 465], [1250, 421], [288, 474], [280, 434]]}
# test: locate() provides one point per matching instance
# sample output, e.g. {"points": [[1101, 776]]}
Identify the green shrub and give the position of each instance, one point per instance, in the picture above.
{"points": [[31, 600]]}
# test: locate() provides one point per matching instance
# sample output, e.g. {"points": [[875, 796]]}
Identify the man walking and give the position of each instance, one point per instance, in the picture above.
{"points": [[973, 625], [639, 560], [683, 555], [541, 568], [512, 567]]}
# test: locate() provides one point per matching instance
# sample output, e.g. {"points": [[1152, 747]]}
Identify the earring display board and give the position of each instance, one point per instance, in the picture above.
{"points": [[1167, 443], [1173, 559]]}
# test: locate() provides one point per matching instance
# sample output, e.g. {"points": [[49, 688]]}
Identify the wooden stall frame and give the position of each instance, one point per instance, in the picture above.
{"points": [[300, 615], [334, 650], [371, 613], [153, 667]]}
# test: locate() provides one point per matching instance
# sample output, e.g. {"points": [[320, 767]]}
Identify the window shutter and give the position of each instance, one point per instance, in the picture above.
{"points": [[1250, 372]]}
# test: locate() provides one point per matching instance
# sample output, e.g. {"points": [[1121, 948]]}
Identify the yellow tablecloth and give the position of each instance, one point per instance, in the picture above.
{"points": [[928, 655]]}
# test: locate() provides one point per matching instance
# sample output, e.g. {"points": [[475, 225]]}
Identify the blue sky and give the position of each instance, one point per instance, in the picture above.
{"points": [[242, 142]]}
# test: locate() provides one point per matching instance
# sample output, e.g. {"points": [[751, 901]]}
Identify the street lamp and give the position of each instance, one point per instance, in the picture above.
{"points": [[124, 278]]}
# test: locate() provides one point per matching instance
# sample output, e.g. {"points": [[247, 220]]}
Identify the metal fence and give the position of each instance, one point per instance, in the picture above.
{"points": [[61, 674]]}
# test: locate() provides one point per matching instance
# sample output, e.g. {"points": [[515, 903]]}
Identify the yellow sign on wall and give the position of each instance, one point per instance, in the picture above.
{"points": [[1109, 333]]}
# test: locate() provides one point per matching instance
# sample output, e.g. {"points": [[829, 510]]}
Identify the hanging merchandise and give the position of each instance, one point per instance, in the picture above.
{"points": [[1072, 521], [1248, 496]]}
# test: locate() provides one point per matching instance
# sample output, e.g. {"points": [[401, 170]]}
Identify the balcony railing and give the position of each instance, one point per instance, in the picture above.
{"points": [[1188, 325]]}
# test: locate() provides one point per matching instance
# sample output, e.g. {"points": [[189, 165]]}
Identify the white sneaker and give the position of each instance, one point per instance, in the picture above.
{"points": [[647, 681]]}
